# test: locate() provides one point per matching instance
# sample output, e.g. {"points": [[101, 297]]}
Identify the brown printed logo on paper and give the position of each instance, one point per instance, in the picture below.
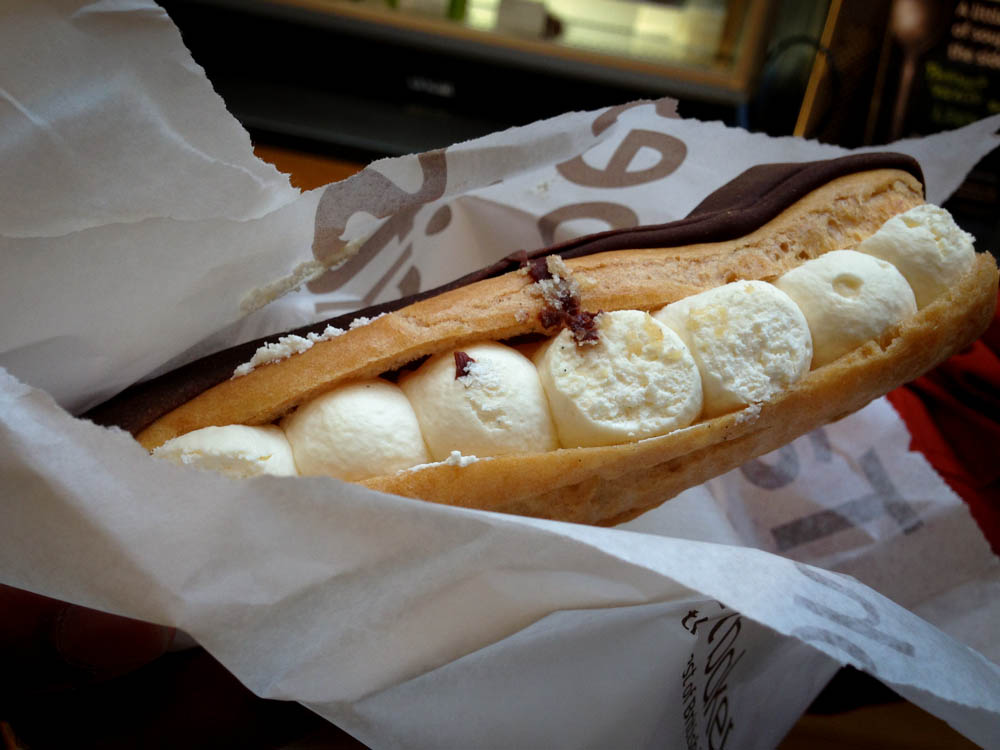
{"points": [[663, 107], [614, 215], [376, 194], [439, 221], [617, 173], [884, 499], [864, 626], [772, 476]]}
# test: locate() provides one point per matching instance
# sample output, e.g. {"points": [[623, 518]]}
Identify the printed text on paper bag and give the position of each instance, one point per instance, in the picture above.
{"points": [[707, 718]]}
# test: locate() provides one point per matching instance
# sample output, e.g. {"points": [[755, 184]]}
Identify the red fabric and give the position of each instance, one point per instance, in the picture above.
{"points": [[953, 414]]}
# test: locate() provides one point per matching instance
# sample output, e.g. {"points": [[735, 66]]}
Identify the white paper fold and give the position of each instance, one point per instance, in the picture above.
{"points": [[131, 205], [132, 102], [364, 598], [134, 226]]}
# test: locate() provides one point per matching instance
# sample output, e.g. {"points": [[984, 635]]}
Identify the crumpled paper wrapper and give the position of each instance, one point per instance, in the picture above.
{"points": [[138, 231]]}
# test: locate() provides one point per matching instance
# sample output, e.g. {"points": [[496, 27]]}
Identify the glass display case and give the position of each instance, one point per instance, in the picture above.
{"points": [[384, 77], [707, 48]]}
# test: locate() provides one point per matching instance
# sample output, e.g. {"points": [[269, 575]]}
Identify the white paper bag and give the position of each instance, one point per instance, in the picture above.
{"points": [[137, 230]]}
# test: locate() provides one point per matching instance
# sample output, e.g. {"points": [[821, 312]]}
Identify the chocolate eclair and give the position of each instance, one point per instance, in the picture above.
{"points": [[665, 355]]}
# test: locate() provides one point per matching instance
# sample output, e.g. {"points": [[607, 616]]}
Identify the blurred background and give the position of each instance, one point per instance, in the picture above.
{"points": [[344, 82]]}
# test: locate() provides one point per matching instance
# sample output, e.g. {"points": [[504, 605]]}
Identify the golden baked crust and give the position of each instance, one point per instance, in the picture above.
{"points": [[835, 216], [611, 484]]}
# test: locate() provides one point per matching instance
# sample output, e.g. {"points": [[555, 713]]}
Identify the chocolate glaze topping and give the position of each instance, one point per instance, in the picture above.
{"points": [[734, 210]]}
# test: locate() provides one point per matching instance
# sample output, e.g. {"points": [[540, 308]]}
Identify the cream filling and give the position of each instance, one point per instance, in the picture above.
{"points": [[597, 380]]}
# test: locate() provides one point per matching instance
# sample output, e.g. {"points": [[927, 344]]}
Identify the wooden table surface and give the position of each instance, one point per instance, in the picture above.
{"points": [[306, 171]]}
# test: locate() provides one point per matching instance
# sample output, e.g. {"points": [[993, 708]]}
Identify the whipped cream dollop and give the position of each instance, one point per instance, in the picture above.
{"points": [[748, 338], [356, 431], [636, 380], [926, 246], [235, 450], [848, 298], [490, 405]]}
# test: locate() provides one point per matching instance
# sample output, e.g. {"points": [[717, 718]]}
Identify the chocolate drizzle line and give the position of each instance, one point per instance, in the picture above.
{"points": [[734, 210]]}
